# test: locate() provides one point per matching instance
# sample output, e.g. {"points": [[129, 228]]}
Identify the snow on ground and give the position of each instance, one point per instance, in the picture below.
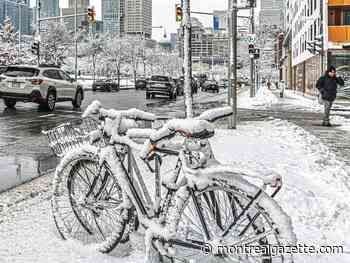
{"points": [[264, 99], [315, 194]]}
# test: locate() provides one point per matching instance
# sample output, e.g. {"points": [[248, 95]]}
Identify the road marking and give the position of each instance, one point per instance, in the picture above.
{"points": [[47, 115]]}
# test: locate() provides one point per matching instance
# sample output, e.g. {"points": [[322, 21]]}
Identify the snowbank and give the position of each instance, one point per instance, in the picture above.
{"points": [[316, 192], [264, 98]]}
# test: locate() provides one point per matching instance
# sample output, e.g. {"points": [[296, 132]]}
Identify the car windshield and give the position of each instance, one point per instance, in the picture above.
{"points": [[159, 78], [21, 72]]}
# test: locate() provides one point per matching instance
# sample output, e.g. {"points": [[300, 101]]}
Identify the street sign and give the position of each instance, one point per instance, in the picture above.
{"points": [[251, 38], [216, 23]]}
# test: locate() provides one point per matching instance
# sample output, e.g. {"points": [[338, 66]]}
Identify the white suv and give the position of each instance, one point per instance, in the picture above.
{"points": [[44, 85]]}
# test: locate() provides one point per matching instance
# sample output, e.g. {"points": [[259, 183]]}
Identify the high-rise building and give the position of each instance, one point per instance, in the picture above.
{"points": [[137, 17], [82, 6], [111, 16], [49, 8], [271, 13], [17, 14], [222, 17]]}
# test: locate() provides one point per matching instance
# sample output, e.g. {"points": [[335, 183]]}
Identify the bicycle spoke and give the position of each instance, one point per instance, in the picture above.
{"points": [[200, 214]]}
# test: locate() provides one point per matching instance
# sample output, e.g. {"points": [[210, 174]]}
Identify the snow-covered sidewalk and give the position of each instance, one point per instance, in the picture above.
{"points": [[316, 194]]}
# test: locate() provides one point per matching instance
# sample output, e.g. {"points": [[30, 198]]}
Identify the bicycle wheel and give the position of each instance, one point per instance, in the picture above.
{"points": [[85, 200], [200, 218]]}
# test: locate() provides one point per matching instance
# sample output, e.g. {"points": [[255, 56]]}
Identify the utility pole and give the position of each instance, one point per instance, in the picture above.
{"points": [[38, 6], [19, 29], [187, 58], [232, 63], [321, 35], [76, 40], [252, 31]]}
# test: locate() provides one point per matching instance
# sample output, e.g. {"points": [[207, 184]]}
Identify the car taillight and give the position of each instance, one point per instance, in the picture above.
{"points": [[36, 81]]}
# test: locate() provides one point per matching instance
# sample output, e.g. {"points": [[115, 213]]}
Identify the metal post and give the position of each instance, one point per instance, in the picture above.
{"points": [[19, 30], [322, 35], [234, 64], [76, 40], [252, 31], [38, 6], [187, 58]]}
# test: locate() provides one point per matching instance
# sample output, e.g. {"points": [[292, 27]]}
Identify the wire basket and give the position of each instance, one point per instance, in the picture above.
{"points": [[69, 136]]}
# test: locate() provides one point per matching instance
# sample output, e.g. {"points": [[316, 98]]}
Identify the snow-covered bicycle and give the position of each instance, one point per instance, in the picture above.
{"points": [[205, 204]]}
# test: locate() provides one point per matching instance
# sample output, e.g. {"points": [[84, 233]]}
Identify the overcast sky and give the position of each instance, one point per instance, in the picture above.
{"points": [[164, 12]]}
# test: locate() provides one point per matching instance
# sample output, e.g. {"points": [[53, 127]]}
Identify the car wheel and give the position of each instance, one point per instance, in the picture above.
{"points": [[78, 99], [10, 103], [50, 101]]}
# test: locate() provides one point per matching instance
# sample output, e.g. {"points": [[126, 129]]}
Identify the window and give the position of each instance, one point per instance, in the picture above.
{"points": [[21, 72], [65, 76], [52, 74], [346, 17]]}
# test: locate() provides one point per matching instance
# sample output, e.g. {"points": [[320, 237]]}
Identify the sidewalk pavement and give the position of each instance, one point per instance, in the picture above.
{"points": [[308, 114]]}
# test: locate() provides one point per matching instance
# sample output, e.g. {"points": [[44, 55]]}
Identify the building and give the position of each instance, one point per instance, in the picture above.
{"points": [[111, 16], [18, 14], [222, 18], [303, 26], [271, 13], [49, 8], [173, 40], [82, 21], [137, 17], [207, 46]]}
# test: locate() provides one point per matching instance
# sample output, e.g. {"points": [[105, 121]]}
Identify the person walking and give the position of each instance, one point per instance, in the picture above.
{"points": [[327, 85]]}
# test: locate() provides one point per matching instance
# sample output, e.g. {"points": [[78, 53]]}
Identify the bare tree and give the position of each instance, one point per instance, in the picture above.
{"points": [[54, 43], [8, 36]]}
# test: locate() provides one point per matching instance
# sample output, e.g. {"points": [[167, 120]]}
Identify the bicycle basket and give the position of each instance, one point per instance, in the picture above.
{"points": [[69, 136]]}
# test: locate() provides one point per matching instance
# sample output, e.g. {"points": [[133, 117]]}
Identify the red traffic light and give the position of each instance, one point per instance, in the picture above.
{"points": [[179, 13], [91, 13]]}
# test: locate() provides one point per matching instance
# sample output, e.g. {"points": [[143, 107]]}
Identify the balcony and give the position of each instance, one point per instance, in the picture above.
{"points": [[339, 34], [338, 2]]}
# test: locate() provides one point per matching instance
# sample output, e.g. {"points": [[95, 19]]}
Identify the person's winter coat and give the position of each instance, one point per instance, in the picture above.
{"points": [[328, 86]]}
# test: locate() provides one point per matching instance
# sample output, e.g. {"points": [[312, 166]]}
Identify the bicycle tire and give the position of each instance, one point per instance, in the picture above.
{"points": [[271, 213], [63, 206]]}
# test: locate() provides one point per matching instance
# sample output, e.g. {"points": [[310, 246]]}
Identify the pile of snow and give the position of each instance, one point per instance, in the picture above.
{"points": [[264, 98], [316, 191]]}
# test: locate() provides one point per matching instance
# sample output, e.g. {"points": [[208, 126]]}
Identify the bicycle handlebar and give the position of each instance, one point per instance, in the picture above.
{"points": [[96, 108]]}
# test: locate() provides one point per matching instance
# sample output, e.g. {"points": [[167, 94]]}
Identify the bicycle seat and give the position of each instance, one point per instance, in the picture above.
{"points": [[190, 128]]}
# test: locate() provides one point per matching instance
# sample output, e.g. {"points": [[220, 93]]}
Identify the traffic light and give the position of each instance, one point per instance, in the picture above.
{"points": [[256, 53], [91, 14], [251, 48], [251, 3], [35, 48], [178, 13]]}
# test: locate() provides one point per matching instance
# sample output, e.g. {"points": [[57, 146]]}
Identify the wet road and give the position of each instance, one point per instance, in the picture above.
{"points": [[24, 151]]}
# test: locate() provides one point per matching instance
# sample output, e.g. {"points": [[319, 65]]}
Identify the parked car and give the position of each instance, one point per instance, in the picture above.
{"points": [[201, 78], [194, 85], [161, 85], [44, 85], [2, 69], [223, 83], [141, 83], [105, 85], [180, 86], [210, 85]]}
